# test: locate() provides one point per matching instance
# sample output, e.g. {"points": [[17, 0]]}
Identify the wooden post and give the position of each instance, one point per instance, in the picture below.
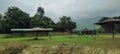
{"points": [[22, 34], [92, 33], [48, 34], [113, 33], [36, 38]]}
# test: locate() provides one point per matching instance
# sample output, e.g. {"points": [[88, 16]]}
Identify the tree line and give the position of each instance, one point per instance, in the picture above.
{"points": [[15, 18]]}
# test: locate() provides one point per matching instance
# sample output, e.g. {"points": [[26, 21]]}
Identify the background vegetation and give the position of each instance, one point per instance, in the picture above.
{"points": [[16, 18]]}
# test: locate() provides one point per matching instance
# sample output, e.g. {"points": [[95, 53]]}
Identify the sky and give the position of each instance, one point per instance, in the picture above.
{"points": [[76, 9]]}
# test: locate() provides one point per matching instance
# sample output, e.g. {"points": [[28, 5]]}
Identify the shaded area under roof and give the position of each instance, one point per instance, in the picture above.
{"points": [[111, 22], [36, 30]]}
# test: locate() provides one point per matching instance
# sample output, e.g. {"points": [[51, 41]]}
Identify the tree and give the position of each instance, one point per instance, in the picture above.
{"points": [[104, 18], [1, 28], [40, 12], [66, 24], [44, 22], [39, 20], [16, 18], [101, 30], [48, 22], [0, 16]]}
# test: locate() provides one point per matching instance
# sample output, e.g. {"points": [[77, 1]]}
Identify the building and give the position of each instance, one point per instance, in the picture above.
{"points": [[35, 30], [110, 25]]}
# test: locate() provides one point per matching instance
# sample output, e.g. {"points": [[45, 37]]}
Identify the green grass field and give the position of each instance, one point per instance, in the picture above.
{"points": [[98, 44], [84, 40]]}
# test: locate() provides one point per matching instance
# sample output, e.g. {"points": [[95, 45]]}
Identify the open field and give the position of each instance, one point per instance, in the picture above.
{"points": [[102, 43]]}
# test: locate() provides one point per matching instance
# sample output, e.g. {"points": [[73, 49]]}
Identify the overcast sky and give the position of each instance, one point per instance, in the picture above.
{"points": [[77, 9]]}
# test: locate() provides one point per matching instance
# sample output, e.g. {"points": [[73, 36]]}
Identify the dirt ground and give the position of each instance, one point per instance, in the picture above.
{"points": [[57, 49]]}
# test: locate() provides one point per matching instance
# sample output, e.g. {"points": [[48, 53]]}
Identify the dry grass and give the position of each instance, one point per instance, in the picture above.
{"points": [[59, 49]]}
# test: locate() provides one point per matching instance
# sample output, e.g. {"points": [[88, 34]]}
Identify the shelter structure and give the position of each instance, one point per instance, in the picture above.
{"points": [[36, 30], [88, 32], [111, 23]]}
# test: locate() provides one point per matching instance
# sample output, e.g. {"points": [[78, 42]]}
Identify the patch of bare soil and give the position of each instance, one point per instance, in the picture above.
{"points": [[36, 39], [58, 49], [14, 49], [65, 49]]}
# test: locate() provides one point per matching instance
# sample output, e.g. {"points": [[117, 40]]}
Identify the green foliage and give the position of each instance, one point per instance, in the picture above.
{"points": [[1, 24], [0, 16], [0, 20], [40, 12], [44, 22], [101, 30], [39, 20], [66, 24], [15, 18], [104, 18], [48, 22]]}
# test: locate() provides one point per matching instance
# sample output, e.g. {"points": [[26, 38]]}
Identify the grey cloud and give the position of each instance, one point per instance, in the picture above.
{"points": [[73, 8]]}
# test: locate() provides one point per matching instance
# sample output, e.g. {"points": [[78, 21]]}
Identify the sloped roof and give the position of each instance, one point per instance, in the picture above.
{"points": [[33, 29], [42, 29], [108, 21]]}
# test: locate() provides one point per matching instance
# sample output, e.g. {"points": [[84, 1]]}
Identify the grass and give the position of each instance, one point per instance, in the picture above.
{"points": [[79, 44], [84, 40]]}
